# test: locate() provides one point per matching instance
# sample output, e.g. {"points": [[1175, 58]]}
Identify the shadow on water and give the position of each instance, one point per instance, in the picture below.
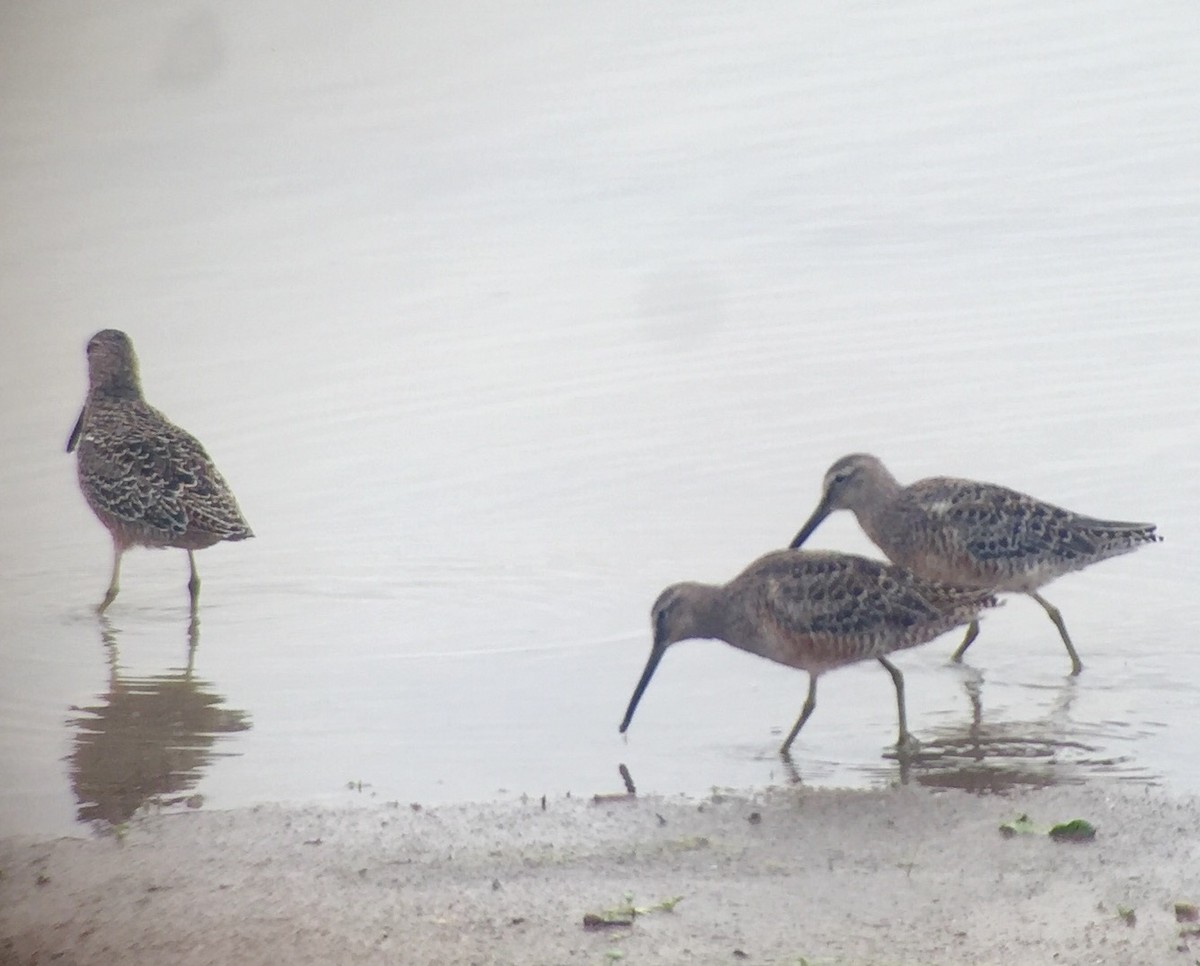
{"points": [[996, 757], [148, 740]]}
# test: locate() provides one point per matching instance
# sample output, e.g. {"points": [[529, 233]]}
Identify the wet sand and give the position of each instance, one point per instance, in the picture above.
{"points": [[788, 875]]}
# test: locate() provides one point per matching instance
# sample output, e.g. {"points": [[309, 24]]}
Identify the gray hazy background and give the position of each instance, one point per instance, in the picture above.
{"points": [[500, 317]]}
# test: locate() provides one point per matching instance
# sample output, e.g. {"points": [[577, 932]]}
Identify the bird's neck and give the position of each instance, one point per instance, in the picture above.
{"points": [[879, 494], [707, 616], [715, 615], [115, 390]]}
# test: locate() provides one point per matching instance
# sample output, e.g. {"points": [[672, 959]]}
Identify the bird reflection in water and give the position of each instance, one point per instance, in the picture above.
{"points": [[998, 756], [148, 739]]}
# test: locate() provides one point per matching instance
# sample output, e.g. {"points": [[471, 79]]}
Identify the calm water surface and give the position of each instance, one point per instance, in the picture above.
{"points": [[498, 320]]}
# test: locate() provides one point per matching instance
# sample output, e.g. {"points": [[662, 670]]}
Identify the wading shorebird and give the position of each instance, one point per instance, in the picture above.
{"points": [[149, 482], [814, 611], [972, 534]]}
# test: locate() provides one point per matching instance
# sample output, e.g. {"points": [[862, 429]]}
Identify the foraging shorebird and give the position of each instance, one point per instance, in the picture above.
{"points": [[149, 482], [972, 534], [815, 611]]}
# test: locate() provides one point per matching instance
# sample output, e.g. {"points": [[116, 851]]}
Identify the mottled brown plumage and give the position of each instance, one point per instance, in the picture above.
{"points": [[973, 534], [148, 481], [814, 611]]}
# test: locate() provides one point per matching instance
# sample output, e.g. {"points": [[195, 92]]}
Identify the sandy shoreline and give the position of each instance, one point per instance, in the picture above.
{"points": [[788, 875]]}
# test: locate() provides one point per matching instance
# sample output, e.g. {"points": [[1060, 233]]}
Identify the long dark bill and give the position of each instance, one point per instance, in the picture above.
{"points": [[73, 441], [819, 514], [655, 656]]}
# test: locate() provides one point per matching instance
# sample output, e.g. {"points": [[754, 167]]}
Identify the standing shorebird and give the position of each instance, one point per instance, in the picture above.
{"points": [[815, 612], [972, 534], [149, 482]]}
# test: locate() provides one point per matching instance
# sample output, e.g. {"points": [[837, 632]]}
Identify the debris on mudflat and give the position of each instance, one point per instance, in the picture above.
{"points": [[626, 912], [1076, 830]]}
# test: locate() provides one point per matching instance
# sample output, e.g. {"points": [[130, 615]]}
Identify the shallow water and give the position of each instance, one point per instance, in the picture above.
{"points": [[499, 320]]}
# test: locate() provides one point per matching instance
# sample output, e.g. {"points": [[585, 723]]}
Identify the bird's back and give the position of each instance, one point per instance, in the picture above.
{"points": [[820, 610], [151, 482], [986, 535]]}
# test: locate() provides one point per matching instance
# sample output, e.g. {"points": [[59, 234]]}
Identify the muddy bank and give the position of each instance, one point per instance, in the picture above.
{"points": [[829, 877]]}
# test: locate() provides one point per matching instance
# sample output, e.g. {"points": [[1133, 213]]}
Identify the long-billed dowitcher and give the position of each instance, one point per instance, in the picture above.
{"points": [[150, 482], [814, 611], [972, 534]]}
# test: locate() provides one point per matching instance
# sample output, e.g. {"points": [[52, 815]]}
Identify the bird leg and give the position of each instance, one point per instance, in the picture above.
{"points": [[1076, 664], [906, 741], [194, 580], [114, 585], [972, 633], [809, 704]]}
